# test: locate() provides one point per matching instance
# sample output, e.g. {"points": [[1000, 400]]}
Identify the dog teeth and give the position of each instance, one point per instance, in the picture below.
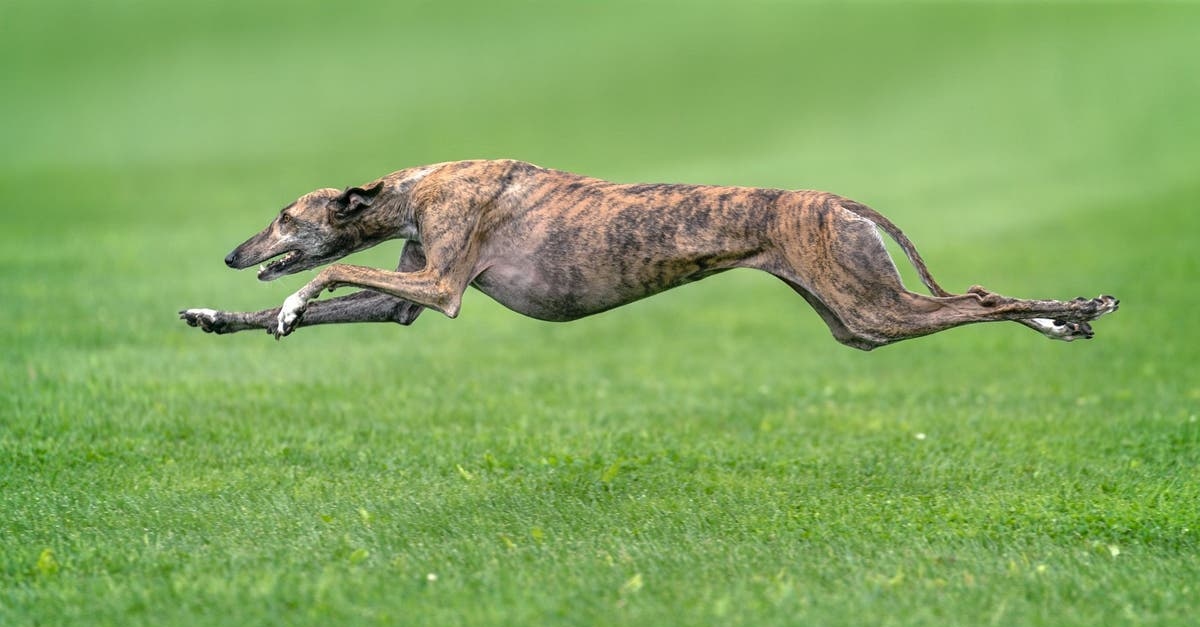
{"points": [[262, 266]]}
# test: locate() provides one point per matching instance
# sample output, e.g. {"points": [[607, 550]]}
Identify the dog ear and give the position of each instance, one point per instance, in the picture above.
{"points": [[355, 199]]}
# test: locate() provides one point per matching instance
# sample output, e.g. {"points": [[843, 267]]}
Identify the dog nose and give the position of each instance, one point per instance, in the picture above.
{"points": [[231, 258]]}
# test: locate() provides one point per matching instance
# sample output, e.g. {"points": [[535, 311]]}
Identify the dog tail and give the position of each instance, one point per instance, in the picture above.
{"points": [[894, 231]]}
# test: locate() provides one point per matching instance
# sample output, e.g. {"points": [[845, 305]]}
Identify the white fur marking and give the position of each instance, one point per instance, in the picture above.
{"points": [[1045, 324], [289, 312]]}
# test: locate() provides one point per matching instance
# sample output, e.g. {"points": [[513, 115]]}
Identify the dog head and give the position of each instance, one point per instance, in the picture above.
{"points": [[320, 227]]}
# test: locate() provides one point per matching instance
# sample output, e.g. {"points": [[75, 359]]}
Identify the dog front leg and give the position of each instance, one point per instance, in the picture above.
{"points": [[222, 322], [424, 287], [365, 306]]}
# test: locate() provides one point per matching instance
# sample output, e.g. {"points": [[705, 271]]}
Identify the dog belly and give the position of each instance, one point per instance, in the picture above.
{"points": [[546, 296], [561, 294]]}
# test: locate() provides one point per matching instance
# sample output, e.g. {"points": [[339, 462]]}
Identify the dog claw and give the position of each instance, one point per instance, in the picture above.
{"points": [[1106, 304], [1075, 330]]}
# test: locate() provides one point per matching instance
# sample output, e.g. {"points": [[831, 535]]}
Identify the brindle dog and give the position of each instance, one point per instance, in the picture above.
{"points": [[559, 246]]}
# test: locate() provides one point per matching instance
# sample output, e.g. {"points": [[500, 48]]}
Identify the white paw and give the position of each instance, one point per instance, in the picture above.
{"points": [[289, 314], [209, 320], [1062, 330], [208, 314]]}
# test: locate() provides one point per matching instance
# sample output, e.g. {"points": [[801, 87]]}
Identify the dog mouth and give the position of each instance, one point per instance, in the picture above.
{"points": [[280, 266]]}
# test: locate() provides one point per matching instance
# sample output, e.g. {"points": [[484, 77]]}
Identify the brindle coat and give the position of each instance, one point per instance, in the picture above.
{"points": [[559, 246]]}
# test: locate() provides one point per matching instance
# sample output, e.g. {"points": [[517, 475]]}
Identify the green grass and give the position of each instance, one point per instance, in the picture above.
{"points": [[709, 456]]}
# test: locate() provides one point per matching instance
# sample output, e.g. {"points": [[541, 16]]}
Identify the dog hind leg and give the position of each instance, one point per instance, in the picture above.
{"points": [[846, 273]]}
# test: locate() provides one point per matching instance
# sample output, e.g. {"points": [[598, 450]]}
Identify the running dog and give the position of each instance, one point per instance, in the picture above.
{"points": [[559, 246]]}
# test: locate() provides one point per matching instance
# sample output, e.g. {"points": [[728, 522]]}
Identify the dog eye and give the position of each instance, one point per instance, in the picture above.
{"points": [[284, 218]]}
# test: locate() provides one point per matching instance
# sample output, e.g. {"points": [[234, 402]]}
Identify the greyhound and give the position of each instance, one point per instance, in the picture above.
{"points": [[559, 246]]}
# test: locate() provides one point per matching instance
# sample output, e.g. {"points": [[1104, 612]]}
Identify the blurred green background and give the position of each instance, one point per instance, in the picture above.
{"points": [[1040, 149], [959, 121], [129, 123]]}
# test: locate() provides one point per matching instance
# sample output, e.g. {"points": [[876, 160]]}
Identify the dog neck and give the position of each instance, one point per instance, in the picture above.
{"points": [[392, 214]]}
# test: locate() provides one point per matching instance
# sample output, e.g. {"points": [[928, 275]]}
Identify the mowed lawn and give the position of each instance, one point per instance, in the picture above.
{"points": [[708, 456]]}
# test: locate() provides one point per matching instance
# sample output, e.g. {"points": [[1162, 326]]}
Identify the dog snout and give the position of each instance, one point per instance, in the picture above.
{"points": [[231, 259]]}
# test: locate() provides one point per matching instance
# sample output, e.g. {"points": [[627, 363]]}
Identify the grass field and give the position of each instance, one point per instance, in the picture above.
{"points": [[708, 456]]}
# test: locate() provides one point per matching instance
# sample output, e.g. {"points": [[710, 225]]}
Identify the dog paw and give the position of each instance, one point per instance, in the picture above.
{"points": [[1095, 307], [1069, 331], [1064, 330], [208, 320], [289, 316]]}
